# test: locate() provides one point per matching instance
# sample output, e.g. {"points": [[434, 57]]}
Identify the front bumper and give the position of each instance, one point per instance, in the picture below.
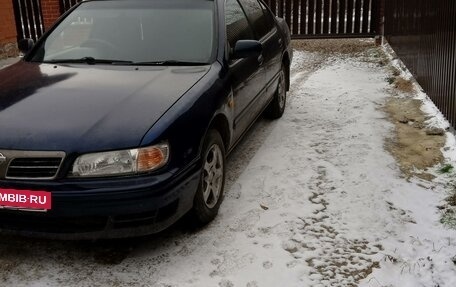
{"points": [[104, 208]]}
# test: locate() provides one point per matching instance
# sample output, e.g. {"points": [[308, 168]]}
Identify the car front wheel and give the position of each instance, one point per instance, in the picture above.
{"points": [[210, 190]]}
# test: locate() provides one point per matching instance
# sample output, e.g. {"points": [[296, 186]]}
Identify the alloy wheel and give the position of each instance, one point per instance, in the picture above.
{"points": [[213, 176]]}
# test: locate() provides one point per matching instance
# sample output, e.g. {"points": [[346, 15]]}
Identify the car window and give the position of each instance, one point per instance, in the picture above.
{"points": [[270, 22], [76, 32], [256, 17], [136, 31], [237, 26]]}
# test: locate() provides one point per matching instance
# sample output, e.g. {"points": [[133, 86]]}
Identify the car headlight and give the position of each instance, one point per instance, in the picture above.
{"points": [[122, 162]]}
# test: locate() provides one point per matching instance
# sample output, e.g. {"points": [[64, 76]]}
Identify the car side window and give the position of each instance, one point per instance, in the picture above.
{"points": [[256, 17], [270, 21], [237, 26]]}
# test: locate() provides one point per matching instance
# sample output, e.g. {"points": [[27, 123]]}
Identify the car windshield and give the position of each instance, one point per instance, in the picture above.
{"points": [[133, 32]]}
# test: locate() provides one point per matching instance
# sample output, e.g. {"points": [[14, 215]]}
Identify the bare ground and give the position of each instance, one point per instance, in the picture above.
{"points": [[415, 147]]}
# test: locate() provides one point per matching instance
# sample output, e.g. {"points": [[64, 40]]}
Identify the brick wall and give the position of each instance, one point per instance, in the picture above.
{"points": [[51, 12], [8, 34]]}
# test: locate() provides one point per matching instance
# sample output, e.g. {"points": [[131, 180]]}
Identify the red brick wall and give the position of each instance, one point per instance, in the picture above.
{"points": [[8, 34], [51, 12], [7, 22]]}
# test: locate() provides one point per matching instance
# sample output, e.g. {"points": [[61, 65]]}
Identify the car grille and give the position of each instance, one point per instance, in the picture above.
{"points": [[34, 168]]}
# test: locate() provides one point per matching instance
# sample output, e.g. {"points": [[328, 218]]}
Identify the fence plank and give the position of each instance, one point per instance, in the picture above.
{"points": [[334, 14], [288, 12], [365, 26], [295, 11], [342, 15], [326, 8], [280, 8], [311, 21], [303, 18], [350, 17], [273, 5], [318, 17], [31, 15], [423, 34], [26, 19], [357, 16], [375, 13]]}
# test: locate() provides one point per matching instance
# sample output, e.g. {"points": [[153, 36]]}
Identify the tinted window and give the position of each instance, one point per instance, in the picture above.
{"points": [[138, 31], [237, 26], [269, 17], [255, 14]]}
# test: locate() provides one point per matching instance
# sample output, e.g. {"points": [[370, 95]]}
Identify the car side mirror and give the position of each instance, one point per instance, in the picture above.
{"points": [[25, 45], [247, 49]]}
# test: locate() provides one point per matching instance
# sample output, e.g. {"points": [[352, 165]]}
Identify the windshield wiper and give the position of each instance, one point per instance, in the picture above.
{"points": [[169, 63], [88, 60]]}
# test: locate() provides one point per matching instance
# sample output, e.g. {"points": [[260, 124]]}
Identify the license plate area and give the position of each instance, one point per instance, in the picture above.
{"points": [[25, 200]]}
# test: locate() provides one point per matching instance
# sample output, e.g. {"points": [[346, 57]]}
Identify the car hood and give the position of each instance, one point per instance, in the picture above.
{"points": [[83, 108]]}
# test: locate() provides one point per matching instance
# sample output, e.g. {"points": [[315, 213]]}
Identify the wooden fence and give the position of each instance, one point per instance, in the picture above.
{"points": [[329, 18]]}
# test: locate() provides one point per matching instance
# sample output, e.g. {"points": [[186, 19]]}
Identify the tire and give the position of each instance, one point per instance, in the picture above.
{"points": [[209, 195], [276, 107]]}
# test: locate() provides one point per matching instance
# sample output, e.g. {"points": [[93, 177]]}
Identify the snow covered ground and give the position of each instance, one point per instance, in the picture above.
{"points": [[312, 199]]}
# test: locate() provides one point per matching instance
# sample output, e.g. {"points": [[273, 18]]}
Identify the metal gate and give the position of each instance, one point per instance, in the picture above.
{"points": [[65, 5], [29, 20], [423, 34], [329, 18]]}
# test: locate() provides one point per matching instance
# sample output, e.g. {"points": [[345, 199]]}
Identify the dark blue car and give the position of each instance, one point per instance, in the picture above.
{"points": [[117, 122]]}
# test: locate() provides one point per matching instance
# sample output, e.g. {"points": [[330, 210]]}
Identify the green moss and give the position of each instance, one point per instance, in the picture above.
{"points": [[446, 168], [391, 80], [449, 219]]}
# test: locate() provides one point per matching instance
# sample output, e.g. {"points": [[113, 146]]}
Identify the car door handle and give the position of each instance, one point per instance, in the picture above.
{"points": [[260, 60]]}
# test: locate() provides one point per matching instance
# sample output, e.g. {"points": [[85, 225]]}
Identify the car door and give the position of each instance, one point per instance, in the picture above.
{"points": [[273, 44], [267, 33], [247, 75]]}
